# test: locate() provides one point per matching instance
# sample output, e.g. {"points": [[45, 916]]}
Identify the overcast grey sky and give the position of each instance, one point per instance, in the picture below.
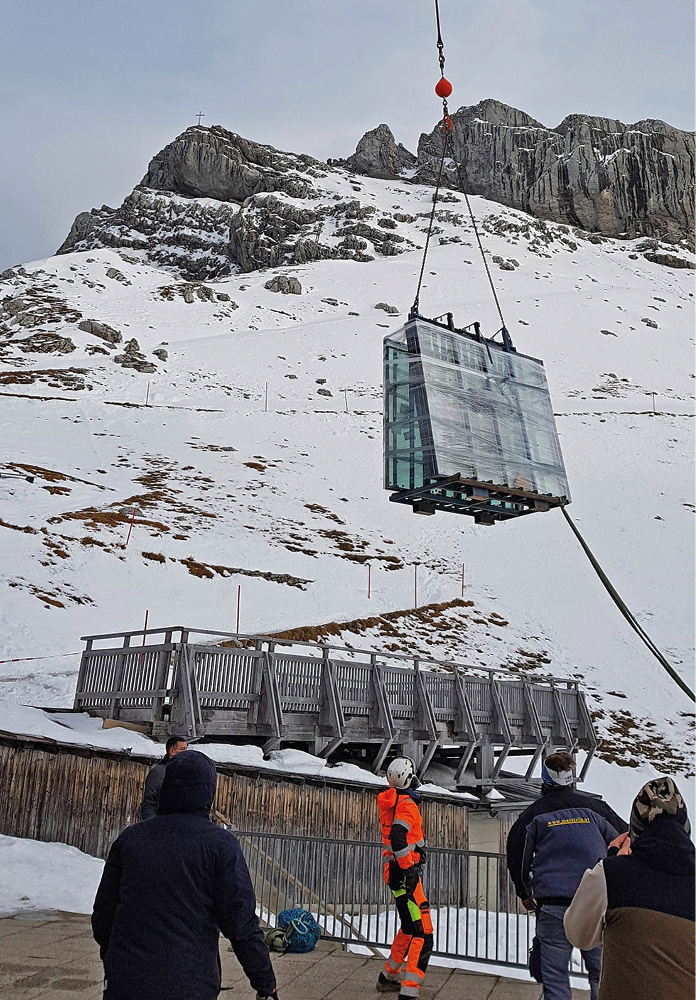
{"points": [[90, 90]]}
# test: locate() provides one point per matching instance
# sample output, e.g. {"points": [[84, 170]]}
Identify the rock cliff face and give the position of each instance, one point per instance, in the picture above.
{"points": [[595, 173], [212, 202]]}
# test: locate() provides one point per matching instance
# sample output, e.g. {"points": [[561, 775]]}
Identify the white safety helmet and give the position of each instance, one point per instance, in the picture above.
{"points": [[401, 772]]}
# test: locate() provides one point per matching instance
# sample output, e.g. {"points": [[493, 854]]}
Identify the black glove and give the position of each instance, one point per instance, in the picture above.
{"points": [[422, 856]]}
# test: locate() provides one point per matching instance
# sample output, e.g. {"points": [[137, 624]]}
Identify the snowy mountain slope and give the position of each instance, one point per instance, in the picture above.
{"points": [[284, 498]]}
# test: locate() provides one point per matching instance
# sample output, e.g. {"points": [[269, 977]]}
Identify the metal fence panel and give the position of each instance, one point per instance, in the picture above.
{"points": [[476, 916]]}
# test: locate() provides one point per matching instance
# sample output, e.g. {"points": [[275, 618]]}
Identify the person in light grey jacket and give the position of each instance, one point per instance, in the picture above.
{"points": [[155, 777]]}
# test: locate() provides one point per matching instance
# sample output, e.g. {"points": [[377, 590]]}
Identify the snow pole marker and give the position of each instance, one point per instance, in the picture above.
{"points": [[462, 579], [345, 392], [147, 395], [369, 579], [415, 585], [49, 656], [239, 601], [131, 526], [265, 405]]}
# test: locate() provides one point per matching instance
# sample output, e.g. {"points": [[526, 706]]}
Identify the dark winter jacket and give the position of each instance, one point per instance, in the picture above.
{"points": [[170, 885], [644, 904], [555, 839], [153, 785]]}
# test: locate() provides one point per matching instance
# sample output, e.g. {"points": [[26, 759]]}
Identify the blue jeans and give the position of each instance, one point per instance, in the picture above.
{"points": [[555, 955]]}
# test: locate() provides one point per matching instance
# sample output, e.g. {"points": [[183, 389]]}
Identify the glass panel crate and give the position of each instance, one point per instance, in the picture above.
{"points": [[468, 425]]}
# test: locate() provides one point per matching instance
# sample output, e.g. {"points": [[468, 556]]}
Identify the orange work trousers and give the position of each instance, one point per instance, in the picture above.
{"points": [[413, 943]]}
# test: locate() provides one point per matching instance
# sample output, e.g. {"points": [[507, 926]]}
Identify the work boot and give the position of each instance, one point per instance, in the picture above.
{"points": [[384, 985]]}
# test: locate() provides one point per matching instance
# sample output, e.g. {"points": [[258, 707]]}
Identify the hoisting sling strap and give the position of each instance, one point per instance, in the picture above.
{"points": [[625, 611]]}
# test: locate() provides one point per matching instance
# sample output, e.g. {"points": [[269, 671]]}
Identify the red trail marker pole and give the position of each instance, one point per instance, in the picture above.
{"points": [[239, 601], [131, 526]]}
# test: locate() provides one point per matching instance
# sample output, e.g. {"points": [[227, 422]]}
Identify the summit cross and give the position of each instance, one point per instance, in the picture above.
{"points": [[199, 116]]}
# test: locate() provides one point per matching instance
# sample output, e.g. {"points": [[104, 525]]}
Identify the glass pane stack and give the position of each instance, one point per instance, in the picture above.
{"points": [[468, 425]]}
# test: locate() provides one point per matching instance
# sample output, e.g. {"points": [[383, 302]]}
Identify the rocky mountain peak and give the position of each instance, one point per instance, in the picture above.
{"points": [[594, 173], [378, 155], [213, 163], [497, 113]]}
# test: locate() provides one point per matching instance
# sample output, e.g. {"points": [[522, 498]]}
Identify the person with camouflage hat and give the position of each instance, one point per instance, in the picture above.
{"points": [[640, 900]]}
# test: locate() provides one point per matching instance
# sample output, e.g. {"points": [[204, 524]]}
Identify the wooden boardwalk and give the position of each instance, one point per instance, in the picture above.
{"points": [[52, 956]]}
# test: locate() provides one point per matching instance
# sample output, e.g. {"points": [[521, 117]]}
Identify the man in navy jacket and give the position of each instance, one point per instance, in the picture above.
{"points": [[170, 885], [549, 848]]}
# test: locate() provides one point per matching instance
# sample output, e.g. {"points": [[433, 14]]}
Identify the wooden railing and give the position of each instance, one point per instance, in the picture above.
{"points": [[325, 696]]}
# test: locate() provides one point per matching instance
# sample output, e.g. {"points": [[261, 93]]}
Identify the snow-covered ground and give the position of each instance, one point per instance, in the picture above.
{"points": [[38, 876], [225, 485]]}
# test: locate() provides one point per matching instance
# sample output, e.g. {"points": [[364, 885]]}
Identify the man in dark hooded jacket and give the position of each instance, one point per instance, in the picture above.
{"points": [[170, 885], [641, 903]]}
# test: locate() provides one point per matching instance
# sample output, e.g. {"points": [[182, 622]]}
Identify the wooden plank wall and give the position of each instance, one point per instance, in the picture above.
{"points": [[86, 798]]}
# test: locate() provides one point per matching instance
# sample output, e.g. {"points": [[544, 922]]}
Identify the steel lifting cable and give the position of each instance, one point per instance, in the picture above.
{"points": [[443, 90], [625, 611]]}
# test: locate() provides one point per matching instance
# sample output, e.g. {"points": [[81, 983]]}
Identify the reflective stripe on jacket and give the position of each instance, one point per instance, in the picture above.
{"points": [[401, 825]]}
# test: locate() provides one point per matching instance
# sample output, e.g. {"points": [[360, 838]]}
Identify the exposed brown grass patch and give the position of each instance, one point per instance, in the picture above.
{"points": [[385, 622], [26, 528], [209, 570]]}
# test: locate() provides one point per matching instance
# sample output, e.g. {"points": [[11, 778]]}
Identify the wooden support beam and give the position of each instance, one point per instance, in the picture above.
{"points": [[270, 717], [331, 719], [561, 717], [501, 712], [118, 677], [536, 727]]}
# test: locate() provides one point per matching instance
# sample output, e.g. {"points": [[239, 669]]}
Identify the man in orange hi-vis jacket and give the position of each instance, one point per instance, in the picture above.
{"points": [[404, 855]]}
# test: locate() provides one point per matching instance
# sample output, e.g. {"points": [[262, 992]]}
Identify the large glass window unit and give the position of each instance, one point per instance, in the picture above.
{"points": [[462, 408]]}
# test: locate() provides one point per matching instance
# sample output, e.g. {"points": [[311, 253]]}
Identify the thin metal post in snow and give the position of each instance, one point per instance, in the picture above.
{"points": [[147, 394], [653, 399], [415, 585], [239, 601], [462, 579], [345, 393], [131, 526], [265, 405], [369, 578]]}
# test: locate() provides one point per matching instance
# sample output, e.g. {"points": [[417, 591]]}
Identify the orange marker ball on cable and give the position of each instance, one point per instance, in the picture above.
{"points": [[443, 88]]}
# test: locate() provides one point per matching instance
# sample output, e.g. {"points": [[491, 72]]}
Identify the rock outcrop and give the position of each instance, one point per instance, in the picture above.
{"points": [[284, 284], [215, 163], [595, 173], [101, 330], [378, 155], [212, 202]]}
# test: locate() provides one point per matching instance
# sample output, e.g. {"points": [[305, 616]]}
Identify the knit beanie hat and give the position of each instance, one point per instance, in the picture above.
{"points": [[657, 797]]}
